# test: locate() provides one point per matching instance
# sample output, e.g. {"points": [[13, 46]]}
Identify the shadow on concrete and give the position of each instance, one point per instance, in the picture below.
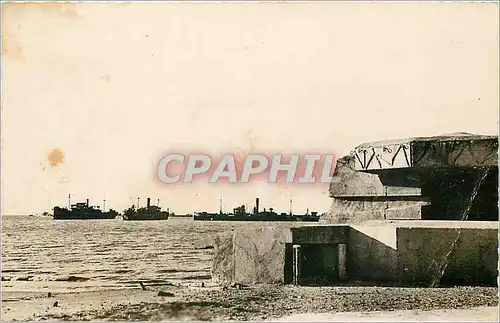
{"points": [[370, 260]]}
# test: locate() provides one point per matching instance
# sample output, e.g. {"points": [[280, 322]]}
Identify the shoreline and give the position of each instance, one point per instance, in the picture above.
{"points": [[476, 314], [277, 303]]}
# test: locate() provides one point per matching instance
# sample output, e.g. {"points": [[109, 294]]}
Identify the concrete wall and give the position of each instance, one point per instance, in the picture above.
{"points": [[437, 184], [450, 192], [353, 183], [251, 256], [473, 261], [332, 234], [389, 252], [360, 196], [349, 210], [470, 151], [224, 261], [371, 253]]}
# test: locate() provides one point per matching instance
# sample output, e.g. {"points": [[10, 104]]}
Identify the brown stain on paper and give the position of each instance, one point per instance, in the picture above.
{"points": [[13, 12], [56, 9], [11, 47], [55, 157]]}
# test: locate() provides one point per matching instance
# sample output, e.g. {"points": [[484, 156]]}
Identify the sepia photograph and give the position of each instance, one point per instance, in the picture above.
{"points": [[249, 161]]}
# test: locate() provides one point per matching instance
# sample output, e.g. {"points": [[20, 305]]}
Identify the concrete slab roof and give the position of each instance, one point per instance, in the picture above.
{"points": [[445, 151], [457, 136], [435, 224]]}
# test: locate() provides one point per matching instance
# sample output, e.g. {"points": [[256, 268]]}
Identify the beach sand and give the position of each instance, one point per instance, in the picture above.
{"points": [[477, 314], [259, 303]]}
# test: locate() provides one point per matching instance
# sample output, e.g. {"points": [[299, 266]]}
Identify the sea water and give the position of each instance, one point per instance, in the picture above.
{"points": [[42, 254]]}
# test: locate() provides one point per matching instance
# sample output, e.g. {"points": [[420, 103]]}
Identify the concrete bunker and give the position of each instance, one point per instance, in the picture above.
{"points": [[392, 253], [422, 211], [450, 177]]}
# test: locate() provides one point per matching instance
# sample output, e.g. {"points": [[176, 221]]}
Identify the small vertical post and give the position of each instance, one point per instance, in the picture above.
{"points": [[342, 250], [220, 204], [297, 262]]}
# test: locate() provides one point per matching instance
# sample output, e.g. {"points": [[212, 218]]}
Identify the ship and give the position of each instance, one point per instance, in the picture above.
{"points": [[150, 212], [82, 211], [240, 214]]}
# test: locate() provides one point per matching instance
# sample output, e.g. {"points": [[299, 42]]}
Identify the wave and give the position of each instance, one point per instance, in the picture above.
{"points": [[171, 271], [73, 279], [45, 278], [198, 277]]}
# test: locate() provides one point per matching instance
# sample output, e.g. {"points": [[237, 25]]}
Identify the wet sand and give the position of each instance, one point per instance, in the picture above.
{"points": [[259, 303]]}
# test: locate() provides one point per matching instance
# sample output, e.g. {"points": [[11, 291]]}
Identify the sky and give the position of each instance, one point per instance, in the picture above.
{"points": [[94, 94]]}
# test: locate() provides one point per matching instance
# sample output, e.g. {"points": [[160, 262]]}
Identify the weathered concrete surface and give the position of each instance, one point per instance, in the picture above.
{"points": [[371, 252], [251, 256], [451, 192], [320, 234], [224, 261], [472, 249], [407, 252], [357, 211], [418, 178], [260, 255], [360, 196], [354, 183], [453, 150]]}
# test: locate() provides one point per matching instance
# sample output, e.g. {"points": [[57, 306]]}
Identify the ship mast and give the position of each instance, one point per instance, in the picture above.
{"points": [[220, 206]]}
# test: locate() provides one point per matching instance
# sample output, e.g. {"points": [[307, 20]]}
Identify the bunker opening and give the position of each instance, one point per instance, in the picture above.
{"points": [[315, 263]]}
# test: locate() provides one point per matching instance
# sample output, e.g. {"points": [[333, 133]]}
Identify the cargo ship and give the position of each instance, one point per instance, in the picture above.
{"points": [[150, 212], [82, 211], [240, 214]]}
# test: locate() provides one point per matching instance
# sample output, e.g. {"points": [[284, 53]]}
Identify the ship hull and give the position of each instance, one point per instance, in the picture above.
{"points": [[145, 217], [82, 216], [148, 213], [268, 218], [82, 211], [141, 218]]}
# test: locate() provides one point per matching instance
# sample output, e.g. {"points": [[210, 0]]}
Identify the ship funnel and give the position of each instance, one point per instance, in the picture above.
{"points": [[257, 206], [87, 202], [149, 202]]}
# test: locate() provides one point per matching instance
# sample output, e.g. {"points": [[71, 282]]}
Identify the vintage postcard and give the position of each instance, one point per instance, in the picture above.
{"points": [[249, 161]]}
